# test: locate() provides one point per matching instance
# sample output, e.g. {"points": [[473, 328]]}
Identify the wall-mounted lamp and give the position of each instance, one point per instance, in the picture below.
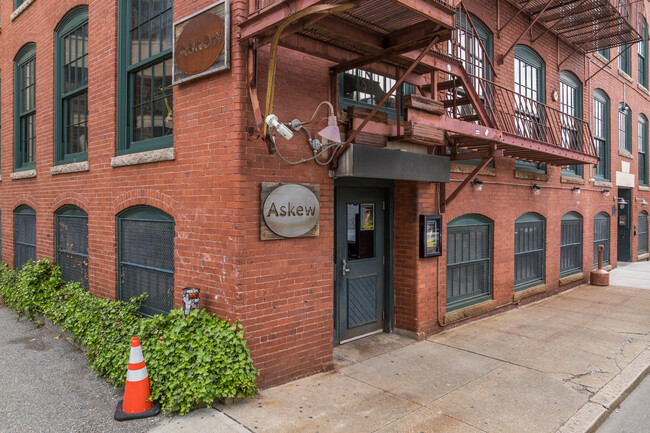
{"points": [[478, 184], [575, 189], [605, 192], [621, 202], [536, 189], [642, 200]]}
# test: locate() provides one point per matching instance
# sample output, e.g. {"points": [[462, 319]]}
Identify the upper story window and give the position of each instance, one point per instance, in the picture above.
{"points": [[145, 119], [468, 48], [643, 149], [25, 108], [643, 55], [601, 133], [17, 3], [71, 87], [604, 52], [365, 89], [571, 105], [625, 59], [624, 128]]}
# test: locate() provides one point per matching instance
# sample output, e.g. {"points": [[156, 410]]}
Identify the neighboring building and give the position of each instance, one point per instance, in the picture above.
{"points": [[135, 183]]}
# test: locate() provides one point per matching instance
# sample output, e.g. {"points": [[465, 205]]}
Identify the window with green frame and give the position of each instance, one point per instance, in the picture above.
{"points": [[643, 55], [71, 87], [365, 89], [17, 3], [624, 127], [530, 254], [601, 237], [625, 59], [601, 134], [145, 257], [469, 261], [643, 149], [571, 244], [24, 235], [25, 108], [643, 232], [71, 243], [571, 105], [145, 112], [604, 52], [530, 82]]}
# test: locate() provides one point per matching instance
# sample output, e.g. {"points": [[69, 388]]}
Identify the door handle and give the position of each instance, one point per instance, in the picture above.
{"points": [[344, 267]]}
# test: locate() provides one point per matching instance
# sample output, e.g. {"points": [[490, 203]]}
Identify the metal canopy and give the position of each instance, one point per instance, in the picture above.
{"points": [[590, 24]]}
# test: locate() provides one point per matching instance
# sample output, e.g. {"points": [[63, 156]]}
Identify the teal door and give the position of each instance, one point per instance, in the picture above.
{"points": [[360, 270]]}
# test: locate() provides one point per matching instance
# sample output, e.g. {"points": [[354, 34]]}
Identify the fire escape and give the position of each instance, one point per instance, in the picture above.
{"points": [[459, 110]]}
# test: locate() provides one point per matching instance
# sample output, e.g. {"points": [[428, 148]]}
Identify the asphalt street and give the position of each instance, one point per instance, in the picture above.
{"points": [[46, 385], [634, 414]]}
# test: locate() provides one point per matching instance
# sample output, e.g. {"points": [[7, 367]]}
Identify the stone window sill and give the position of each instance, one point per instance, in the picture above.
{"points": [[644, 188], [530, 175], [624, 74], [571, 279], [456, 167], [148, 157], [643, 89], [471, 311], [601, 58], [26, 174], [572, 180], [21, 9], [625, 154], [644, 256], [531, 291], [74, 167], [603, 183]]}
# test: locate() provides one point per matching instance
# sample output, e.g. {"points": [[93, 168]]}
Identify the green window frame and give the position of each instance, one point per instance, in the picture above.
{"points": [[25, 108], [601, 134], [17, 3], [601, 237], [625, 59], [571, 244], [71, 243], [643, 55], [530, 250], [71, 87], [529, 81], [145, 97], [474, 63], [24, 235], [624, 127], [571, 105], [145, 258], [642, 130], [604, 52], [643, 232], [365, 89], [469, 261]]}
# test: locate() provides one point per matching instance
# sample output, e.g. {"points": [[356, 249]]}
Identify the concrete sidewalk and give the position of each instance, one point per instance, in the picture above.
{"points": [[558, 365]]}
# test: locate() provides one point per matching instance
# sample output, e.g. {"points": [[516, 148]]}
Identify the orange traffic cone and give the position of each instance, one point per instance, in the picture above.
{"points": [[136, 389]]}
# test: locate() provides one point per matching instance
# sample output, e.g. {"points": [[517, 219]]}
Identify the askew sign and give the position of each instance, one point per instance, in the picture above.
{"points": [[289, 210], [202, 43]]}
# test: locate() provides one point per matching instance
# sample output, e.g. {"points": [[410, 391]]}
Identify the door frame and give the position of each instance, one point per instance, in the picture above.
{"points": [[626, 194], [388, 187]]}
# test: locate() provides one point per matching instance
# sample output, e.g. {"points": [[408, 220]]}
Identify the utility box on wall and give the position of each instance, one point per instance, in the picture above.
{"points": [[430, 235]]}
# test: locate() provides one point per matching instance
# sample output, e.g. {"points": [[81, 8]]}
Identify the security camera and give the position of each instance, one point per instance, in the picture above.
{"points": [[272, 121]]}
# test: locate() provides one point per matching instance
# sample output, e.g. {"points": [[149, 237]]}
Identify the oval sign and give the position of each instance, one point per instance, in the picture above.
{"points": [[199, 44], [291, 210]]}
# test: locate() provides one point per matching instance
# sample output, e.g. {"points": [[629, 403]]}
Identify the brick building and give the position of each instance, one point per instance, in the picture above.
{"points": [[136, 172]]}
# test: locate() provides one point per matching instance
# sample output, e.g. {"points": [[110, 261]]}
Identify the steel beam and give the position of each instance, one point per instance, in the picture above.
{"points": [[435, 12]]}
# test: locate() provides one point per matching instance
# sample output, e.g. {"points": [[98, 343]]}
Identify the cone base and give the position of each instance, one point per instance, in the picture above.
{"points": [[120, 415]]}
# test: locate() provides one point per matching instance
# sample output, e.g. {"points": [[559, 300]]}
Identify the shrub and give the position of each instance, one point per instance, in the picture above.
{"points": [[191, 362]]}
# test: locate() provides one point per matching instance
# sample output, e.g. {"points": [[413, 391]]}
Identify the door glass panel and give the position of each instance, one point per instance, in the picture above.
{"points": [[361, 230]]}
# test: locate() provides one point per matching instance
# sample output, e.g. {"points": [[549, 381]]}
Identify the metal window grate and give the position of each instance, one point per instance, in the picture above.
{"points": [[571, 246], [468, 263], [24, 237], [529, 253], [601, 237], [72, 247], [643, 232], [146, 248]]}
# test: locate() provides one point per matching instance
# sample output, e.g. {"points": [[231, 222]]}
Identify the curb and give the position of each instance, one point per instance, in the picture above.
{"points": [[590, 416]]}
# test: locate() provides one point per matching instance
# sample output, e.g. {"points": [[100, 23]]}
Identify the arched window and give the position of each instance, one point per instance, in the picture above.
{"points": [[530, 241], [71, 87], [643, 54], [571, 244], [469, 261], [601, 133], [601, 237], [529, 82], [642, 233], [643, 149], [25, 108], [24, 235], [71, 243], [624, 128], [571, 105], [145, 256], [471, 54]]}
